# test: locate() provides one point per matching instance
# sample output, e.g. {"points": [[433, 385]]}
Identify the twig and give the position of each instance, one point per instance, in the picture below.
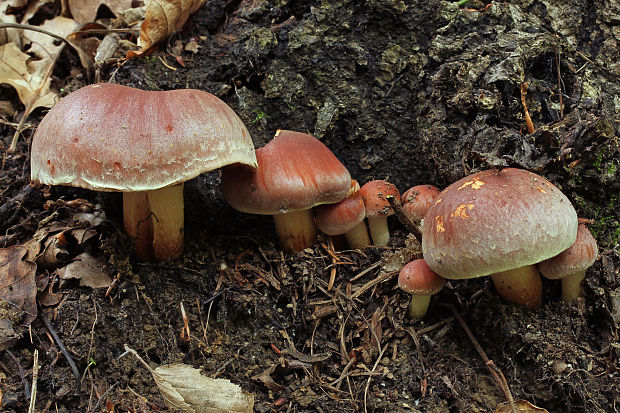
{"points": [[35, 376], [381, 278], [94, 409], [495, 371], [402, 217], [557, 64], [62, 347], [528, 118], [22, 373], [37, 29]]}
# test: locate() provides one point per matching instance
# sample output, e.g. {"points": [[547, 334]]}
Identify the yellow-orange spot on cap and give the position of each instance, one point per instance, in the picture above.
{"points": [[438, 201], [541, 189], [439, 224], [475, 184], [461, 211], [277, 132]]}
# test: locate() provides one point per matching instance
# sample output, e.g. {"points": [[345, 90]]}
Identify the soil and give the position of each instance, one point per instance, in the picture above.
{"points": [[410, 91]]}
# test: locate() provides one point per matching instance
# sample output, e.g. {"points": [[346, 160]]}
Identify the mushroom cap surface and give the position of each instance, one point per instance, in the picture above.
{"points": [[495, 221], [109, 137], [418, 199], [296, 171], [373, 193], [578, 257], [341, 217], [416, 277]]}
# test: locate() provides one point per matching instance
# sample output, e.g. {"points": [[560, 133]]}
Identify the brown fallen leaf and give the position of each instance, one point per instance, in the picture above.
{"points": [[91, 271], [26, 76], [17, 282], [163, 18], [85, 11], [183, 387], [522, 406]]}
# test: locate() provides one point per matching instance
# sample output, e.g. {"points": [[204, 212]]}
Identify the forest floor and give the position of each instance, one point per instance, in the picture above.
{"points": [[409, 91]]}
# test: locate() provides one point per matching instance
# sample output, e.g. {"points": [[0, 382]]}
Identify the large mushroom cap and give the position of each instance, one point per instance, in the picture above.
{"points": [[297, 172], [495, 221], [578, 257], [109, 137]]}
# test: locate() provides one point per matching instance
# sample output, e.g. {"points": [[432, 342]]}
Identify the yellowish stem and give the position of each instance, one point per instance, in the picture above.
{"points": [[358, 236], [521, 285], [154, 219], [168, 219], [296, 229], [379, 230], [571, 286], [418, 306]]}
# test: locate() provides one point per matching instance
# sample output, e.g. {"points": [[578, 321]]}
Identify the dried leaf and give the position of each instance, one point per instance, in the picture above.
{"points": [[163, 18], [182, 386], [26, 76], [91, 271], [522, 406], [85, 11], [17, 282]]}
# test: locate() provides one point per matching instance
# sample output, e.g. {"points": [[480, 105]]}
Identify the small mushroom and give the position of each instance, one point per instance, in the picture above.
{"points": [[378, 209], [571, 264], [345, 217], [296, 173], [419, 280], [417, 200], [108, 137], [499, 223]]}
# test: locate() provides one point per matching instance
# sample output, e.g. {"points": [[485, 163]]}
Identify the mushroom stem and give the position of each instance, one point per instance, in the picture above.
{"points": [[521, 285], [571, 286], [296, 229], [418, 306], [379, 231], [154, 219], [357, 237]]}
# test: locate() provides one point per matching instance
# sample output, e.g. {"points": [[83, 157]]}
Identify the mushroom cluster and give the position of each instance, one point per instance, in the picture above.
{"points": [[499, 223], [510, 224]]}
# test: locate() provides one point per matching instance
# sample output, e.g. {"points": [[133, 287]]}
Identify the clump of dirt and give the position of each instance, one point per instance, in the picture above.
{"points": [[415, 92]]}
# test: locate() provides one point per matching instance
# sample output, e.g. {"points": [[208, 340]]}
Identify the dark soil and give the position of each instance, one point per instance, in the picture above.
{"points": [[413, 92]]}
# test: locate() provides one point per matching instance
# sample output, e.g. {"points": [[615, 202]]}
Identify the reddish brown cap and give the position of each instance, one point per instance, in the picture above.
{"points": [[341, 217], [373, 193], [109, 137], [578, 257], [418, 199], [416, 277], [296, 171], [495, 221]]}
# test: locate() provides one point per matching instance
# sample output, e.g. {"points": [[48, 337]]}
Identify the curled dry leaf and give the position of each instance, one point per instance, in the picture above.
{"points": [[522, 406], [163, 18], [183, 387]]}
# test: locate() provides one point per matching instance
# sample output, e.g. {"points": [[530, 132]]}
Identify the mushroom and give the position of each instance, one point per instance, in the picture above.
{"points": [[419, 280], [296, 173], [499, 223], [108, 137], [417, 200], [345, 217], [378, 209], [571, 264]]}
